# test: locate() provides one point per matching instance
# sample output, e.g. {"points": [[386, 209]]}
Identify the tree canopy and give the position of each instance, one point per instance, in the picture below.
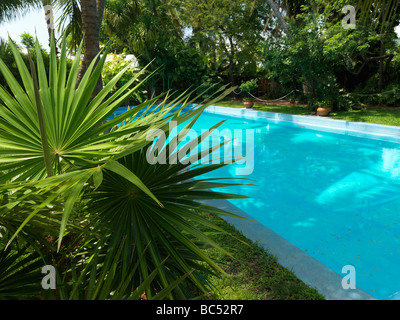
{"points": [[291, 45]]}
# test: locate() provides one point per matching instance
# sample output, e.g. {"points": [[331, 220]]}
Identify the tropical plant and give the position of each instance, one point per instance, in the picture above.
{"points": [[76, 183]]}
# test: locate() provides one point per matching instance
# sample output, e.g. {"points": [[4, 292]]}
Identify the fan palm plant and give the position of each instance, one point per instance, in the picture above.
{"points": [[87, 183]]}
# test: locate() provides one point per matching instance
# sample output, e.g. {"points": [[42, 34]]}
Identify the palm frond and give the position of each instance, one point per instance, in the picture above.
{"points": [[380, 14], [20, 274], [11, 9], [69, 22]]}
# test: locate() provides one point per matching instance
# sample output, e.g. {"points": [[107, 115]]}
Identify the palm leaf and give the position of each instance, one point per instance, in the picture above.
{"points": [[377, 13], [20, 275]]}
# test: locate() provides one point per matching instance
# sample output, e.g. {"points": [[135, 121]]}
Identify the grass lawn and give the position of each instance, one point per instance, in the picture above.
{"points": [[378, 116], [253, 273], [387, 117]]}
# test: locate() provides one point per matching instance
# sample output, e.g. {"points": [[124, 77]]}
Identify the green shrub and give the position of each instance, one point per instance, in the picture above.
{"points": [[248, 88]]}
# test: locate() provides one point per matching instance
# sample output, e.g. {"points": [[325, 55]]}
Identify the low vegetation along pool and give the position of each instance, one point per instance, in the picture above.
{"points": [[333, 193]]}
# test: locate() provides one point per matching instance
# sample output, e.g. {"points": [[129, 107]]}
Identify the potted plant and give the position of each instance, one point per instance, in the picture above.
{"points": [[323, 108], [326, 97], [246, 88]]}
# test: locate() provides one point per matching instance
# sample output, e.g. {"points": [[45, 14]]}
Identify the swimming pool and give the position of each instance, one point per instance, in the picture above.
{"points": [[332, 192], [325, 189]]}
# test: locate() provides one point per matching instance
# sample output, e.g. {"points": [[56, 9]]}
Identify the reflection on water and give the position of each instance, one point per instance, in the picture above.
{"points": [[369, 187], [391, 162], [334, 196]]}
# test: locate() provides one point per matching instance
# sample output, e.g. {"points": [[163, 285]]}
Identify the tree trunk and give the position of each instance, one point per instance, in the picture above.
{"points": [[279, 16], [232, 62], [100, 4], [92, 15], [380, 79], [308, 80]]}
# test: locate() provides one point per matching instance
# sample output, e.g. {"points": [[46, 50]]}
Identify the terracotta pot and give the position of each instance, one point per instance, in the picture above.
{"points": [[324, 111], [248, 104]]}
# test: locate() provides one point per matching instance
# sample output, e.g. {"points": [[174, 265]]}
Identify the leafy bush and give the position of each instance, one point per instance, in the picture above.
{"points": [[247, 88]]}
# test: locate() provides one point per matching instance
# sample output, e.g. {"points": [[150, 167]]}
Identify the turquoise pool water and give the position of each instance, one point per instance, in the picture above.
{"points": [[333, 195]]}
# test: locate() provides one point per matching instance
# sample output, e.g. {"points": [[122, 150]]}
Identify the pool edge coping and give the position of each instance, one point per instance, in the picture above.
{"points": [[361, 129], [312, 272]]}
